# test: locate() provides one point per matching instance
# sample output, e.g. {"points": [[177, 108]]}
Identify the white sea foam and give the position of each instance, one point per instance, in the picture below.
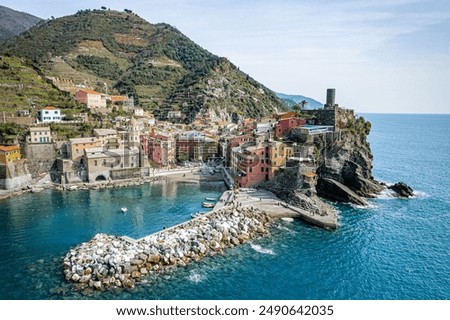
{"points": [[420, 194], [196, 277], [386, 194], [260, 249]]}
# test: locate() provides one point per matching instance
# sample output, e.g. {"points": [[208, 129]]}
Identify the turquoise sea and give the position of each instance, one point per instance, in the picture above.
{"points": [[395, 249]]}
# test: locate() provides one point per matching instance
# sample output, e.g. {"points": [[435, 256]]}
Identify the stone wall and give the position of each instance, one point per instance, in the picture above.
{"points": [[324, 117], [40, 158], [14, 175], [128, 173], [67, 171]]}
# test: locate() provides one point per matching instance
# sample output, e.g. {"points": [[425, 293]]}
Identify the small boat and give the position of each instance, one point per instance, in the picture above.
{"points": [[208, 205], [72, 188], [124, 209], [197, 214], [211, 199]]}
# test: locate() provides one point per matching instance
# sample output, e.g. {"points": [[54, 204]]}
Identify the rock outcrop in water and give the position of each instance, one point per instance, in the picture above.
{"points": [[402, 190], [108, 262]]}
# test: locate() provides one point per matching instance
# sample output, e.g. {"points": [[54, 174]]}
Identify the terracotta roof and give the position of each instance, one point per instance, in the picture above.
{"points": [[309, 174], [49, 108], [118, 98], [9, 148], [89, 91]]}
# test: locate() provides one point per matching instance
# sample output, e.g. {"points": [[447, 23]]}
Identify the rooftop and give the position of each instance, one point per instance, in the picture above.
{"points": [[9, 148], [89, 91], [83, 140]]}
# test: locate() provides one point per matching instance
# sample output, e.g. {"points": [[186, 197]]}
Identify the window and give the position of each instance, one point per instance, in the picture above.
{"points": [[95, 162], [262, 169], [46, 112]]}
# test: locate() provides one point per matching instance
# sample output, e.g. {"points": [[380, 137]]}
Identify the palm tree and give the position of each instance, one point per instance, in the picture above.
{"points": [[303, 103]]}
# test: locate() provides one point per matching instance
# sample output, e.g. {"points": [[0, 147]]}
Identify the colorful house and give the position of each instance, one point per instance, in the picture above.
{"points": [[91, 98], [40, 135], [285, 126], [253, 162], [9, 154]]}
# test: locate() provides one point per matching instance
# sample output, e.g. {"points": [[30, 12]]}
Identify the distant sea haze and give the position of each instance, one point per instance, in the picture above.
{"points": [[393, 249]]}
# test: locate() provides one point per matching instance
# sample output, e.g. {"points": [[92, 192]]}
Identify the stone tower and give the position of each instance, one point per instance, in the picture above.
{"points": [[331, 99], [133, 134]]}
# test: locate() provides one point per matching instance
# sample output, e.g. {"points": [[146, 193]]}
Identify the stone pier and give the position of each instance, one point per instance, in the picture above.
{"points": [[108, 262]]}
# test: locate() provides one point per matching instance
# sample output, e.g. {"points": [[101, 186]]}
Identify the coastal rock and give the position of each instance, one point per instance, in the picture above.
{"points": [[338, 192], [402, 190]]}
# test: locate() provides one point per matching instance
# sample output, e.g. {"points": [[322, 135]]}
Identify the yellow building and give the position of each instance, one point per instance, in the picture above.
{"points": [[278, 155], [75, 147], [9, 154]]}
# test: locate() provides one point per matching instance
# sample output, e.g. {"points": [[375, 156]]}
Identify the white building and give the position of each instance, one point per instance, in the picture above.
{"points": [[50, 114], [40, 135], [138, 112]]}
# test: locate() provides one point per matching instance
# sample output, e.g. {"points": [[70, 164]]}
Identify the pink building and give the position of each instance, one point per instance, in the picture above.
{"points": [[285, 126], [91, 98]]}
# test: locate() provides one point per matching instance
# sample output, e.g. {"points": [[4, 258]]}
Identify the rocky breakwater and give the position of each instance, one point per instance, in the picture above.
{"points": [[109, 262]]}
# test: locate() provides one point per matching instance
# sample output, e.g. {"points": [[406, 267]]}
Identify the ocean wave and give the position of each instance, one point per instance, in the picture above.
{"points": [[196, 277], [260, 249], [370, 206], [420, 194]]}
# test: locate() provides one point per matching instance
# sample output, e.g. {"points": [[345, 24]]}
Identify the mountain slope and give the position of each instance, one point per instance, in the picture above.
{"points": [[158, 65], [23, 86], [14, 22], [291, 99]]}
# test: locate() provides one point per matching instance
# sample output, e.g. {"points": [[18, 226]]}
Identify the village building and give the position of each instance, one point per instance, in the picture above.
{"points": [[9, 154], [39, 135], [92, 99], [76, 146], [255, 162], [195, 146], [49, 114], [286, 125], [111, 164], [159, 148], [109, 138]]}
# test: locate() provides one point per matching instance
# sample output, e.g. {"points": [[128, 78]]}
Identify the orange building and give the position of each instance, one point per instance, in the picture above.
{"points": [[9, 154]]}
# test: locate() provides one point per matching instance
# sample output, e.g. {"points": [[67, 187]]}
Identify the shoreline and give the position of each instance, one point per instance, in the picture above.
{"points": [[181, 176]]}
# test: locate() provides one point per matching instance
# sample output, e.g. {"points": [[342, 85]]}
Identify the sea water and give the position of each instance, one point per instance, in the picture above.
{"points": [[393, 249]]}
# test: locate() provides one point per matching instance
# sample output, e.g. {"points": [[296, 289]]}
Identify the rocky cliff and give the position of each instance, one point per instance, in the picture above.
{"points": [[345, 164], [342, 165]]}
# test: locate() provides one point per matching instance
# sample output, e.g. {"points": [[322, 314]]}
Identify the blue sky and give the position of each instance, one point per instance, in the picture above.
{"points": [[388, 56]]}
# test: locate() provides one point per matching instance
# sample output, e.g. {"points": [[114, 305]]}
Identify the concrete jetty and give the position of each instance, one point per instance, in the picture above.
{"points": [[274, 207]]}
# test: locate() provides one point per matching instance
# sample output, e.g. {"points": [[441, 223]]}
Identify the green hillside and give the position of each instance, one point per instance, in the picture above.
{"points": [[158, 65], [22, 86], [13, 22]]}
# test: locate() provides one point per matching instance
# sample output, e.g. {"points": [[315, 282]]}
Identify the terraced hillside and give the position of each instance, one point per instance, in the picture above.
{"points": [[163, 70]]}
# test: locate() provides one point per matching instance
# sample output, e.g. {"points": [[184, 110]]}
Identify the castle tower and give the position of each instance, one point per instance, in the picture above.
{"points": [[331, 98]]}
